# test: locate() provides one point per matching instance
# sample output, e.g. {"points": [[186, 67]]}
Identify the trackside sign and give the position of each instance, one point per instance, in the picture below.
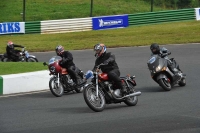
{"points": [[12, 27], [197, 10], [108, 22]]}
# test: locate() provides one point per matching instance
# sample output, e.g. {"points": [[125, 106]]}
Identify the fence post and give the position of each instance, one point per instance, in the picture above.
{"points": [[91, 8], [151, 5]]}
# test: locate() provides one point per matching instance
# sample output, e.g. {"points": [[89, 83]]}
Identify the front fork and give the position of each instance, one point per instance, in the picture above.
{"points": [[97, 86], [58, 79]]}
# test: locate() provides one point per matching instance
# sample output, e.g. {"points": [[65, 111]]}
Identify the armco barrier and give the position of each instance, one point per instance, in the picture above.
{"points": [[1, 85], [161, 16], [32, 27], [24, 82], [66, 25]]}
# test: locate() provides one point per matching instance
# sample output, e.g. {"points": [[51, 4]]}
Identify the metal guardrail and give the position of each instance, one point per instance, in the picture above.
{"points": [[85, 24], [161, 16], [66, 25]]}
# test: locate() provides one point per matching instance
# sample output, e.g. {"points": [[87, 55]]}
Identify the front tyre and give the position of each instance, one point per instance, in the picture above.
{"points": [[31, 59], [56, 90], [131, 101], [165, 84], [95, 103], [182, 82]]}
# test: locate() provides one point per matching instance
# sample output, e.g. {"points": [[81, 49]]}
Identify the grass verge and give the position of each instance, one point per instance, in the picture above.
{"points": [[165, 33]]}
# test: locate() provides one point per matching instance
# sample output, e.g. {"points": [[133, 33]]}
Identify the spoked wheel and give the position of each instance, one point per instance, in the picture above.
{"points": [[165, 84], [55, 88], [131, 101], [32, 59], [95, 103]]}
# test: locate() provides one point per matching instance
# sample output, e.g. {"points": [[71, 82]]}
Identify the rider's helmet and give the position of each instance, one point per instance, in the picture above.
{"points": [[59, 50], [155, 49], [10, 44], [99, 49]]}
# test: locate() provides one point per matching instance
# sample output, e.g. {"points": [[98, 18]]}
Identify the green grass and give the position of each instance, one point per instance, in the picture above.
{"points": [[20, 67], [165, 33], [37, 10]]}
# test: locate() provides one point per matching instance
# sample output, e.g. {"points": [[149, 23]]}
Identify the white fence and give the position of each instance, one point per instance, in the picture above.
{"points": [[66, 25]]}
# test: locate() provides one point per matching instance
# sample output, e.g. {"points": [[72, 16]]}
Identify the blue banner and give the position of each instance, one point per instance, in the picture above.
{"points": [[12, 27], [108, 22]]}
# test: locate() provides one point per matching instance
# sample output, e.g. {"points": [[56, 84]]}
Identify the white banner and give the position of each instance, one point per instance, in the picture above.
{"points": [[12, 27], [197, 10]]}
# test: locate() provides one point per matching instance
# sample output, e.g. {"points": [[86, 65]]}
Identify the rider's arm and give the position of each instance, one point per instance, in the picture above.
{"points": [[15, 45], [110, 59], [165, 52], [67, 57]]}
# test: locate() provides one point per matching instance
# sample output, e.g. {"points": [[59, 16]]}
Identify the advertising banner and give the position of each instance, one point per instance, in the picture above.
{"points": [[197, 10], [12, 27], [108, 22]]}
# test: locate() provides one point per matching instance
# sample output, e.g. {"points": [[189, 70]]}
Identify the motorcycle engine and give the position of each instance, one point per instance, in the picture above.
{"points": [[117, 93]]}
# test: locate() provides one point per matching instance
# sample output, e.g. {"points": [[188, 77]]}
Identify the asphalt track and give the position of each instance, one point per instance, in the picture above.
{"points": [[157, 111]]}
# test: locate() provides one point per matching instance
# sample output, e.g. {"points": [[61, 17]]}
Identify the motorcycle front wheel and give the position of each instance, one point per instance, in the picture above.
{"points": [[55, 88], [131, 101], [95, 103], [165, 84], [31, 59], [182, 82]]}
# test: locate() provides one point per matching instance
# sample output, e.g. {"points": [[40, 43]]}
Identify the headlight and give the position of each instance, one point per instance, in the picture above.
{"points": [[158, 68], [52, 69]]}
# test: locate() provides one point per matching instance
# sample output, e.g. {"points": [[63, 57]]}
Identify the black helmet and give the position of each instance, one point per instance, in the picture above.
{"points": [[155, 49]]}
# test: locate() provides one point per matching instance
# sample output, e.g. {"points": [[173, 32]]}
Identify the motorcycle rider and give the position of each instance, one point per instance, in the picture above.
{"points": [[11, 52], [155, 49], [67, 62], [110, 66]]}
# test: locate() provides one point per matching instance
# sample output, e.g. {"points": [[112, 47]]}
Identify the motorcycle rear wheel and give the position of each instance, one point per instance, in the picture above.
{"points": [[79, 89], [166, 85], [97, 104], [131, 101], [54, 88], [5, 59]]}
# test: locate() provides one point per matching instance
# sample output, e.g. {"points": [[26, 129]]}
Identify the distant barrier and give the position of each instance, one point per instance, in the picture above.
{"points": [[107, 22], [197, 10], [161, 16], [32, 27], [66, 25]]}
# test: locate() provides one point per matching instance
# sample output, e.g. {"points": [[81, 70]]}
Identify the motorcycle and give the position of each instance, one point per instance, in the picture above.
{"points": [[101, 91], [162, 75], [1, 56], [61, 82], [24, 56]]}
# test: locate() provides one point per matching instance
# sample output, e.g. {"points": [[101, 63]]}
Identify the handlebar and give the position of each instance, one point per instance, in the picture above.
{"points": [[45, 64]]}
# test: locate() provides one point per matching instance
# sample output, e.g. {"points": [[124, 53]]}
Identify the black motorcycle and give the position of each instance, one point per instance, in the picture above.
{"points": [[162, 75], [24, 56], [101, 91]]}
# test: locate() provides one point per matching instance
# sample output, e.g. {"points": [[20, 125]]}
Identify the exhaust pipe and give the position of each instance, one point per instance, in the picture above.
{"points": [[133, 94]]}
